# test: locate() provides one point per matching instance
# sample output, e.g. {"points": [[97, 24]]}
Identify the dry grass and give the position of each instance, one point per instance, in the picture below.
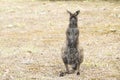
{"points": [[33, 32]]}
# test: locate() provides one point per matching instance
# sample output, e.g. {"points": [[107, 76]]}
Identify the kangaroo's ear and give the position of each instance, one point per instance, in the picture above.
{"points": [[69, 12], [77, 12]]}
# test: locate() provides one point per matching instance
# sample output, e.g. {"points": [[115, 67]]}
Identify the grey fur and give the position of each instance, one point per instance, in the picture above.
{"points": [[71, 54]]}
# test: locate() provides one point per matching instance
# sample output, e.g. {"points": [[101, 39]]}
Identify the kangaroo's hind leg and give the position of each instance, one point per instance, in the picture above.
{"points": [[66, 72], [80, 59], [78, 69], [66, 66]]}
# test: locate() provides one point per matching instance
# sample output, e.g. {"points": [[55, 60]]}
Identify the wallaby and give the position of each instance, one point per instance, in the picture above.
{"points": [[71, 53]]}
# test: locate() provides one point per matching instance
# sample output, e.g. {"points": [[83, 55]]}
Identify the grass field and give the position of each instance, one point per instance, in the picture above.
{"points": [[32, 34]]}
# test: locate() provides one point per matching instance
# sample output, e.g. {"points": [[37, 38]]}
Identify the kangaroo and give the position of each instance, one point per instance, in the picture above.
{"points": [[71, 53]]}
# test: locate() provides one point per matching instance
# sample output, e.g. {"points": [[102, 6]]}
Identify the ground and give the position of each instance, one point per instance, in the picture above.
{"points": [[32, 34]]}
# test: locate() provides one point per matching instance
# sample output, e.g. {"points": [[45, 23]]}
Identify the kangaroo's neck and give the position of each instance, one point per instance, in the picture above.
{"points": [[73, 25]]}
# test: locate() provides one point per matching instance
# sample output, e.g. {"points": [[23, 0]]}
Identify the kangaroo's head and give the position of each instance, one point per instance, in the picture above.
{"points": [[73, 18]]}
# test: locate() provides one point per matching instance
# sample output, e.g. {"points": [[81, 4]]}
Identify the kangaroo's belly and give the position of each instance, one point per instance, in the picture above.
{"points": [[72, 56]]}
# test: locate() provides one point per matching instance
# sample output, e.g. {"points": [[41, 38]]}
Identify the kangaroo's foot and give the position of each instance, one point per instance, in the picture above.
{"points": [[78, 73], [62, 74]]}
